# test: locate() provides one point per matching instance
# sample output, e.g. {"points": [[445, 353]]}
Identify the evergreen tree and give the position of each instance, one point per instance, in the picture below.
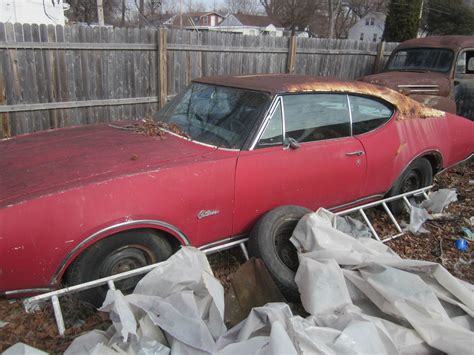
{"points": [[403, 20]]}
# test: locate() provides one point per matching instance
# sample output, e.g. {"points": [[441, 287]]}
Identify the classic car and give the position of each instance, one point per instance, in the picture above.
{"points": [[227, 157], [437, 71]]}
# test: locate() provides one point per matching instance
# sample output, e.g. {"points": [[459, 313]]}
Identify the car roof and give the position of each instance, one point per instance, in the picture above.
{"points": [[286, 83], [277, 83], [451, 42]]}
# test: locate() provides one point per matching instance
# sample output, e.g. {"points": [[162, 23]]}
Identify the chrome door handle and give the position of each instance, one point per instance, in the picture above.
{"points": [[358, 153]]}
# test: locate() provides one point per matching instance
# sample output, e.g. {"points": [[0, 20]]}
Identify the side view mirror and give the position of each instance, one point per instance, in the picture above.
{"points": [[291, 143]]}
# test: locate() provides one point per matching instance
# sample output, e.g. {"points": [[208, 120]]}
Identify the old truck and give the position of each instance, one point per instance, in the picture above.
{"points": [[436, 71]]}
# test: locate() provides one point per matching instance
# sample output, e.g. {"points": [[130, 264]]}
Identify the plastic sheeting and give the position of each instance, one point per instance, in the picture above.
{"points": [[361, 298], [429, 209]]}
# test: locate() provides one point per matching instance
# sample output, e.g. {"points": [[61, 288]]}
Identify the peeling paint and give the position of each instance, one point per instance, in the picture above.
{"points": [[400, 148]]}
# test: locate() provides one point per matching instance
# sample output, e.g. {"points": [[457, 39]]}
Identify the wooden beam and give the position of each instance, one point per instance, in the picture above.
{"points": [[290, 68], [77, 104], [79, 46], [379, 58], [162, 67]]}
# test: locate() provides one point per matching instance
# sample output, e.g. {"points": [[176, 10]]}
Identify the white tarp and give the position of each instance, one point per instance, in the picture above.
{"points": [[362, 299]]}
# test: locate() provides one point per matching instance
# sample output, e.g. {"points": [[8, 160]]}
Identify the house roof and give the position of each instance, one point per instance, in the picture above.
{"points": [[159, 19], [257, 21], [192, 18], [452, 42], [285, 83]]}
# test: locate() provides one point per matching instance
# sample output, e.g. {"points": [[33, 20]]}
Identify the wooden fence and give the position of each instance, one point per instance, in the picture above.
{"points": [[62, 76]]}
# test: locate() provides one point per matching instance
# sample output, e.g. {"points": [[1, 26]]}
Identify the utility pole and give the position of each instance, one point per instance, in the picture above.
{"points": [[100, 12]]}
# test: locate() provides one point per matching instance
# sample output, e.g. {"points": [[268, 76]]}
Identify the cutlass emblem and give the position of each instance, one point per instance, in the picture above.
{"points": [[206, 213]]}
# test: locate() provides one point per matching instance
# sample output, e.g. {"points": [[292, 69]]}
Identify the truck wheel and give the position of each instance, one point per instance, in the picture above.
{"points": [[418, 174], [270, 241], [119, 253]]}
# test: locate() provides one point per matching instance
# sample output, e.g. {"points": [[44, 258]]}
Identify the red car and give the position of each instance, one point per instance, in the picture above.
{"points": [[85, 202]]}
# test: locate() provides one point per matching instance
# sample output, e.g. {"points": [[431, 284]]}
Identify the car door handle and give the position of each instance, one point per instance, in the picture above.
{"points": [[358, 153]]}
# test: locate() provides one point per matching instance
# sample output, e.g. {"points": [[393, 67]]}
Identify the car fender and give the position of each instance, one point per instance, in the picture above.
{"points": [[435, 158], [112, 229]]}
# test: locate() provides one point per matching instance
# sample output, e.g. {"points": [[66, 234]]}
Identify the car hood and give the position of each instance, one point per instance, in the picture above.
{"points": [[412, 82], [52, 161]]}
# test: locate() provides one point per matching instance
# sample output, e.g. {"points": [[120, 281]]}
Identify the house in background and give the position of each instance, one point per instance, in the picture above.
{"points": [[369, 28], [251, 25], [197, 20], [49, 12]]}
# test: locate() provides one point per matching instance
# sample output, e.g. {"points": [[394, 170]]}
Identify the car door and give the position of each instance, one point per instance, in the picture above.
{"points": [[464, 84], [305, 156], [383, 140]]}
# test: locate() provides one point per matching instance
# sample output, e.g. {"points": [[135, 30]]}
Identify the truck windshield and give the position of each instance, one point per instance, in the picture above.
{"points": [[214, 115], [421, 59]]}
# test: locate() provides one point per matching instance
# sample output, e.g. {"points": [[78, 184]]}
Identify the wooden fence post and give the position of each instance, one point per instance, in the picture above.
{"points": [[290, 68], [162, 67], [379, 59], [5, 122]]}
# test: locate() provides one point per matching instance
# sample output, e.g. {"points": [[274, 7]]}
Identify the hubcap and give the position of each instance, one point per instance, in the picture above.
{"points": [[411, 182], [123, 260], [285, 250]]}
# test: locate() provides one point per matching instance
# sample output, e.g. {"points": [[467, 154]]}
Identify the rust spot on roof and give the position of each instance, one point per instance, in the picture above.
{"points": [[454, 43], [283, 83]]}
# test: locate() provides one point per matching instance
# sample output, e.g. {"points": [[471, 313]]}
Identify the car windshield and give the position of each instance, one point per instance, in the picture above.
{"points": [[421, 59], [215, 115]]}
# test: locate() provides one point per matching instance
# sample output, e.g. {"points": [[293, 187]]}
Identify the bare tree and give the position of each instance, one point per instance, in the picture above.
{"points": [[292, 14], [194, 6], [86, 10], [248, 7], [362, 8]]}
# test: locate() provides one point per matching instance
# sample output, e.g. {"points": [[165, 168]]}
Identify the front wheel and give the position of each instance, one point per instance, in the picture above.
{"points": [[119, 253], [418, 174], [270, 241]]}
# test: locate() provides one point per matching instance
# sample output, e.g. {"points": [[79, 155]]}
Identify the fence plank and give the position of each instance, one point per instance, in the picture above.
{"points": [[4, 78]]}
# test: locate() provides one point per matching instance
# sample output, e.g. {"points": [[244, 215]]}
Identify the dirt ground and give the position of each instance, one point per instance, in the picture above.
{"points": [[39, 329]]}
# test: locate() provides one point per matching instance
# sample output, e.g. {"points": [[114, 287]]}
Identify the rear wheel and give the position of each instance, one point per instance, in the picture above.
{"points": [[119, 253], [270, 241], [418, 174]]}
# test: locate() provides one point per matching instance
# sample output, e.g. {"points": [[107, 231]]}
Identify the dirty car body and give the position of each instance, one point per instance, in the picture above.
{"points": [[437, 71], [235, 148]]}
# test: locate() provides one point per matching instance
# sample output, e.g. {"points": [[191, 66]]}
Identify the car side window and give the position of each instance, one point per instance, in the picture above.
{"points": [[313, 117], [368, 114], [273, 134], [465, 63]]}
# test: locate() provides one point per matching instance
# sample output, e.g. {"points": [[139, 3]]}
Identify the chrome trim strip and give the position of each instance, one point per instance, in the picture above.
{"points": [[417, 86], [200, 143], [350, 113], [224, 246], [222, 241], [283, 124], [27, 290], [153, 222], [264, 123], [362, 199], [388, 199], [458, 163]]}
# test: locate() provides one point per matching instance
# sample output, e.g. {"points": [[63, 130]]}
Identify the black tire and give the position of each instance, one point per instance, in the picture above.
{"points": [[270, 241], [418, 174], [118, 253]]}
